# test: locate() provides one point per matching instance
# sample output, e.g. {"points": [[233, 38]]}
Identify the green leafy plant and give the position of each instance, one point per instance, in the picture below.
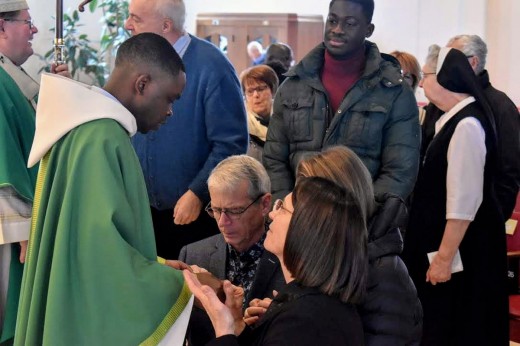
{"points": [[84, 59]]}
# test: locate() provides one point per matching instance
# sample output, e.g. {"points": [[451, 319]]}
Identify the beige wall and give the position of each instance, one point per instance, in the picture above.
{"points": [[410, 25]]}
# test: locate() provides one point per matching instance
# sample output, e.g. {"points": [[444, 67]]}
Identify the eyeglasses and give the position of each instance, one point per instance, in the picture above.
{"points": [[278, 205], [424, 74], [258, 89], [233, 214], [29, 22]]}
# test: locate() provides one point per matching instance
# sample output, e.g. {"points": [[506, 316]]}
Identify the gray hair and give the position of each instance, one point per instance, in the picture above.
{"points": [[230, 172], [255, 44], [174, 10], [472, 45], [433, 56]]}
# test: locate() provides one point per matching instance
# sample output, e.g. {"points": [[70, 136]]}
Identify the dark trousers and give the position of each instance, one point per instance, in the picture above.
{"points": [[170, 238]]}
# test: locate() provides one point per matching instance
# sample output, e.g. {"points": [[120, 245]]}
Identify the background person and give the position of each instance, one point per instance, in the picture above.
{"points": [[259, 85], [345, 92], [455, 211], [209, 125], [410, 68], [316, 305], [507, 120], [18, 96], [279, 56], [256, 53], [92, 275]]}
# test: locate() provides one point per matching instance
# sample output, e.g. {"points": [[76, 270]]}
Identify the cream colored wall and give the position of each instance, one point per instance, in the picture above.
{"points": [[409, 25], [503, 28]]}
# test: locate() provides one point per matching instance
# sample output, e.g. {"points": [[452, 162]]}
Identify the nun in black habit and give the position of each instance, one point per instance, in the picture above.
{"points": [[455, 212]]}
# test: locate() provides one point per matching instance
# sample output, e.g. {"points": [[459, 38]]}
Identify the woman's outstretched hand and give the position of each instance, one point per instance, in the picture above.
{"points": [[225, 317]]}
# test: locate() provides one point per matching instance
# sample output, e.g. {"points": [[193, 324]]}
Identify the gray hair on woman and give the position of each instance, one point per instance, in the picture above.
{"points": [[433, 56]]}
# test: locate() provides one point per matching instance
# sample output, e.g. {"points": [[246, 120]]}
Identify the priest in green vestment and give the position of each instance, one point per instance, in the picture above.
{"points": [[92, 276], [18, 93]]}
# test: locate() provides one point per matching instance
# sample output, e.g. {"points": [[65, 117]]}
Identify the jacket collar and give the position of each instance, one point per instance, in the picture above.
{"points": [[379, 68]]}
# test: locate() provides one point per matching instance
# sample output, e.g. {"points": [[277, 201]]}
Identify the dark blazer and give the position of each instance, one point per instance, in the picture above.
{"points": [[302, 316], [210, 254]]}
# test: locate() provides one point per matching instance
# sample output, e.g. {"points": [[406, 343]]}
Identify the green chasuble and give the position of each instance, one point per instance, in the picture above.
{"points": [[16, 135], [92, 276]]}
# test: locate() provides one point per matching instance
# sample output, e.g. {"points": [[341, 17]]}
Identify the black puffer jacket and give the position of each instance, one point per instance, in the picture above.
{"points": [[391, 312], [377, 119]]}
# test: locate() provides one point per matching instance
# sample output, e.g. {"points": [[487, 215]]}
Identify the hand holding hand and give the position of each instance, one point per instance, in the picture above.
{"points": [[62, 70], [187, 209], [439, 271]]}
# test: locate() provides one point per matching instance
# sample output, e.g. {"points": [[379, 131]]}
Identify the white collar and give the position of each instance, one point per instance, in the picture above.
{"points": [[64, 104], [452, 112]]}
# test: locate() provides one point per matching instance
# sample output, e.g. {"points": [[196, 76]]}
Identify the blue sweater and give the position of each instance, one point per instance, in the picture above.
{"points": [[208, 124]]}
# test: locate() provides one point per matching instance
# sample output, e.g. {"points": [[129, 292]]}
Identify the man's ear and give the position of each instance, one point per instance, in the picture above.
{"points": [[2, 26], [370, 30], [473, 61], [266, 203], [167, 25], [141, 84]]}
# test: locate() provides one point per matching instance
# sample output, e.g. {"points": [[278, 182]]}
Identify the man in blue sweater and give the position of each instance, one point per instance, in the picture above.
{"points": [[208, 125]]}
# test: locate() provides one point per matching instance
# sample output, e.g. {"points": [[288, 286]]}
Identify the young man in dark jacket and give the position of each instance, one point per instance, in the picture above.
{"points": [[345, 92]]}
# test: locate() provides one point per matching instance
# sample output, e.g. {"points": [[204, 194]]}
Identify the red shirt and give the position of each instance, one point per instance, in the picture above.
{"points": [[338, 76]]}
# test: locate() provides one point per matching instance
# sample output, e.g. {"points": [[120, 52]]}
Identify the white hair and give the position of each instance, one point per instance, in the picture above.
{"points": [[472, 45], [433, 56], [174, 10]]}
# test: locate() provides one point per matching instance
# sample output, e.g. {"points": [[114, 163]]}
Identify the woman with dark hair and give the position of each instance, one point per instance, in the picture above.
{"points": [[455, 246], [391, 311], [319, 235]]}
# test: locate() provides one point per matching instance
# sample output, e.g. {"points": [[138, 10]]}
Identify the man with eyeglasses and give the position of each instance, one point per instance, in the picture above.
{"points": [[18, 95], [240, 202]]}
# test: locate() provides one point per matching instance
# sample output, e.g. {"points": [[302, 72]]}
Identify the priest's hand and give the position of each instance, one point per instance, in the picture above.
{"points": [[62, 70], [187, 209], [175, 264], [196, 269], [23, 250]]}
